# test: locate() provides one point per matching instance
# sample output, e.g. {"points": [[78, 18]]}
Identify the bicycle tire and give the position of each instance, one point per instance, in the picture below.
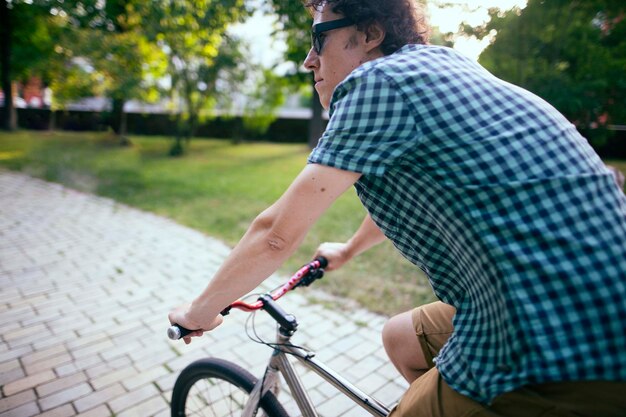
{"points": [[216, 387]]}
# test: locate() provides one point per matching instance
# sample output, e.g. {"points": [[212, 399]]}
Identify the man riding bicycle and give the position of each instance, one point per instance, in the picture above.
{"points": [[484, 186]]}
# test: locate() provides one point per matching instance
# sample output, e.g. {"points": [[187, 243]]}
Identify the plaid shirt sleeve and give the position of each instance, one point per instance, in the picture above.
{"points": [[369, 126]]}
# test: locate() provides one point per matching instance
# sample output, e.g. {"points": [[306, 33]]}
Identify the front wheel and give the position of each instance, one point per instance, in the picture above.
{"points": [[215, 387]]}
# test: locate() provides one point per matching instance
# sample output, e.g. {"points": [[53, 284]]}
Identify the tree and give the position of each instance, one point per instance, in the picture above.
{"points": [[81, 48], [109, 37], [571, 53], [27, 39], [9, 121], [295, 23], [267, 94], [191, 32]]}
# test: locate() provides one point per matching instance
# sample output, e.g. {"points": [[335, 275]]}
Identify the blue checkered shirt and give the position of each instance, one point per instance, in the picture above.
{"points": [[508, 210]]}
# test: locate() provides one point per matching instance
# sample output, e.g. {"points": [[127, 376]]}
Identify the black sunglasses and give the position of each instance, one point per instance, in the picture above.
{"points": [[317, 38]]}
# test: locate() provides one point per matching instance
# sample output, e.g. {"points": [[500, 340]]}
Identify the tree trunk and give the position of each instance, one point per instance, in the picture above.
{"points": [[124, 140], [118, 121], [177, 147], [9, 116], [193, 127], [316, 124], [52, 122]]}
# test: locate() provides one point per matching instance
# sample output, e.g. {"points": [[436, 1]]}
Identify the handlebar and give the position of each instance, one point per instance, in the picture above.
{"points": [[303, 277]]}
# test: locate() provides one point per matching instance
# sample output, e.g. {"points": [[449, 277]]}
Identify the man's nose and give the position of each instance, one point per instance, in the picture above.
{"points": [[311, 61]]}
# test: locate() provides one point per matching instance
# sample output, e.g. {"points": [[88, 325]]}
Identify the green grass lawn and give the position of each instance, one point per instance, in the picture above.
{"points": [[217, 188]]}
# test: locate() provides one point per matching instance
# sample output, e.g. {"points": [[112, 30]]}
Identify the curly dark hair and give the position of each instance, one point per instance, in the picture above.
{"points": [[404, 21]]}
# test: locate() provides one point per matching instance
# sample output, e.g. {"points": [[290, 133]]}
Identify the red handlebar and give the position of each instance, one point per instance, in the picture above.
{"points": [[176, 331], [276, 294]]}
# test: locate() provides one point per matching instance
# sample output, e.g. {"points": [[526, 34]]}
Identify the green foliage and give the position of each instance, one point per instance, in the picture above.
{"points": [[294, 22], [122, 49], [261, 107], [72, 81], [191, 33], [85, 48], [230, 74], [33, 39], [125, 63], [444, 39], [571, 53]]}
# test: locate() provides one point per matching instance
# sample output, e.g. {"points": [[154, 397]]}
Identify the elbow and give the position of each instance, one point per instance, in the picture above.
{"points": [[273, 237], [276, 243]]}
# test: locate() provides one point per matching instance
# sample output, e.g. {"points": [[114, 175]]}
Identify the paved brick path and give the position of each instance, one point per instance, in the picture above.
{"points": [[85, 287]]}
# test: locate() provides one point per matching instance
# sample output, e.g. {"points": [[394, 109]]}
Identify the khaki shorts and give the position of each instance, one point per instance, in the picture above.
{"points": [[430, 396]]}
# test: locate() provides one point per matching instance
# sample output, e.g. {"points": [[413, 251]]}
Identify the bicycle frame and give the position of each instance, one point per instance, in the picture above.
{"points": [[279, 363]]}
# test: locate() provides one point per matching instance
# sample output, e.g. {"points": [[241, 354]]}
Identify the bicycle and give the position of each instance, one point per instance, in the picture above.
{"points": [[217, 387]]}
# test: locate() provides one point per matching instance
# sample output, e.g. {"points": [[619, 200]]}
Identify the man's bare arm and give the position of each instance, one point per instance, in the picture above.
{"points": [[337, 254], [272, 237]]}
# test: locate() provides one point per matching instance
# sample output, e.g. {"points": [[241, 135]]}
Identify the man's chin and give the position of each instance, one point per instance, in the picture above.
{"points": [[325, 102]]}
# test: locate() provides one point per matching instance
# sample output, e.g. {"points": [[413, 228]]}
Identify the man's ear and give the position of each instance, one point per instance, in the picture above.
{"points": [[374, 36]]}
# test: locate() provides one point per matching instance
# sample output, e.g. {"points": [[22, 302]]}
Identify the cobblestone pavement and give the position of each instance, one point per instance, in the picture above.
{"points": [[85, 287]]}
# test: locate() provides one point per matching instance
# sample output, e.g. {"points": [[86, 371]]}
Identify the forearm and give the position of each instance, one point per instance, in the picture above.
{"points": [[365, 237], [337, 254], [260, 252]]}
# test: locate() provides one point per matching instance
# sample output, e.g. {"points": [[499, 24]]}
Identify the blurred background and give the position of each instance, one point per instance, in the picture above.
{"points": [[194, 61]]}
